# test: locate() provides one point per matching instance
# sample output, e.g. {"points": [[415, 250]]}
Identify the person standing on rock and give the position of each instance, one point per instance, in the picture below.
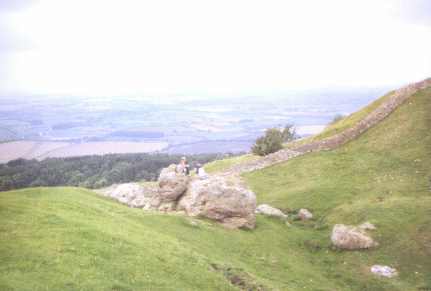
{"points": [[200, 172], [181, 167]]}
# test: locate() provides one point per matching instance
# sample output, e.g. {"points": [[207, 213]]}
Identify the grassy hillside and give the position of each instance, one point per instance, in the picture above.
{"points": [[343, 123], [72, 239], [224, 164], [384, 177]]}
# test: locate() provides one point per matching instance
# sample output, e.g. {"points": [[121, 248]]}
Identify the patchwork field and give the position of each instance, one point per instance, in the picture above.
{"points": [[40, 150]]}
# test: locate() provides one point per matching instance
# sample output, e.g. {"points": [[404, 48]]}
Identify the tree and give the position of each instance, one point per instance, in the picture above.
{"points": [[89, 171], [100, 183], [271, 142], [337, 118], [288, 133]]}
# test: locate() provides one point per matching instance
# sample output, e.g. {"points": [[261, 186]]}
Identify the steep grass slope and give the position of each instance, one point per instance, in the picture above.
{"points": [[342, 124], [72, 239], [384, 176]]}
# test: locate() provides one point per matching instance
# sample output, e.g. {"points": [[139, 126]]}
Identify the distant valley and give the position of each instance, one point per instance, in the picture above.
{"points": [[40, 127]]}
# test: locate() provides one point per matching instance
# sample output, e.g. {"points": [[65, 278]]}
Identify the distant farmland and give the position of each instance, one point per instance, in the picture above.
{"points": [[40, 150]]}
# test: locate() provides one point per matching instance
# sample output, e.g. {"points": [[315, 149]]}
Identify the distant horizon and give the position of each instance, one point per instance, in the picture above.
{"points": [[274, 94]]}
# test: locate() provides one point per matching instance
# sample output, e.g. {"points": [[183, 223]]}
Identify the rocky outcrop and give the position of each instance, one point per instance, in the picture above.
{"points": [[349, 237], [226, 200], [384, 271], [222, 199], [131, 194], [304, 214], [268, 210], [171, 187], [162, 196]]}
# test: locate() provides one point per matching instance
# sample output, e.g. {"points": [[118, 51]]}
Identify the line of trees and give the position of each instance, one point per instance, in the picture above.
{"points": [[89, 171]]}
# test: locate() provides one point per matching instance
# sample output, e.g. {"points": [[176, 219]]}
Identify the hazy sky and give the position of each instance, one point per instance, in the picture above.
{"points": [[210, 48]]}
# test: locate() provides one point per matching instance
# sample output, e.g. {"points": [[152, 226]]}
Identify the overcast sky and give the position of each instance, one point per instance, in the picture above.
{"points": [[210, 48]]}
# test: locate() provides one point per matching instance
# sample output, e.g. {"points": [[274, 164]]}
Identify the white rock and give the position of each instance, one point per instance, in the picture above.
{"points": [[384, 271], [268, 210], [221, 199], [131, 194], [304, 214], [351, 238]]}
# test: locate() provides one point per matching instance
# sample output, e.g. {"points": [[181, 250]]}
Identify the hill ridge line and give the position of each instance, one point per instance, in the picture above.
{"points": [[397, 98]]}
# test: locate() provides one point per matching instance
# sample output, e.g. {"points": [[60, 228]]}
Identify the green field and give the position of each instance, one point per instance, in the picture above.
{"points": [[72, 239]]}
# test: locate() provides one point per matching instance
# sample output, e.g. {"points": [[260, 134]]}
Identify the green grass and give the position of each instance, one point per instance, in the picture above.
{"points": [[224, 164], [384, 176], [72, 239]]}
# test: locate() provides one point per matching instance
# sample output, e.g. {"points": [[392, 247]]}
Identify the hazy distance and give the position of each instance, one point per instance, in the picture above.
{"points": [[211, 49]]}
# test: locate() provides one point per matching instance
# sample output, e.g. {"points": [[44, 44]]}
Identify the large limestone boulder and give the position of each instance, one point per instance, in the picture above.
{"points": [[131, 194], [268, 210], [222, 199], [351, 238], [171, 185]]}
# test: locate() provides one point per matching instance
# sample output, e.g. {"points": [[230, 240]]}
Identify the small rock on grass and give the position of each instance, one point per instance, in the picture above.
{"points": [[268, 210], [305, 214], [350, 237], [384, 271]]}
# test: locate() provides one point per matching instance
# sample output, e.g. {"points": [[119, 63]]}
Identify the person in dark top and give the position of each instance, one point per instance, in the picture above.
{"points": [[186, 168]]}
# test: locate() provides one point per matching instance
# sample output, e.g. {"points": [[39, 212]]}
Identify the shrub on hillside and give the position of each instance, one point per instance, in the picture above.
{"points": [[271, 142], [289, 133], [337, 118]]}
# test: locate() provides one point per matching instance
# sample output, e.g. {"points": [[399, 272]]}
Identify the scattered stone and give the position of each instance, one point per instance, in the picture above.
{"points": [[384, 271], [221, 199], [351, 238], [304, 214], [367, 226], [268, 210]]}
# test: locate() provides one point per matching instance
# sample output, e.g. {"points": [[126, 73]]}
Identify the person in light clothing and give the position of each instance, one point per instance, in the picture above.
{"points": [[181, 167], [200, 172]]}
